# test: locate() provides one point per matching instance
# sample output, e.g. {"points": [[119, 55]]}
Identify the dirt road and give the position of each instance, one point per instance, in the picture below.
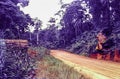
{"points": [[96, 69]]}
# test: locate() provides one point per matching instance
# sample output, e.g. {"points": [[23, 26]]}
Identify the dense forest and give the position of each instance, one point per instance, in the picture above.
{"points": [[80, 22], [76, 31]]}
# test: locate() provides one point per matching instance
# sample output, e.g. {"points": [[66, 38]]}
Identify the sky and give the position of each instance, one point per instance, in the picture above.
{"points": [[43, 9]]}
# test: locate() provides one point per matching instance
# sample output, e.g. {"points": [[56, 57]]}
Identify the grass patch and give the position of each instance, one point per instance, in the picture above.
{"points": [[52, 68]]}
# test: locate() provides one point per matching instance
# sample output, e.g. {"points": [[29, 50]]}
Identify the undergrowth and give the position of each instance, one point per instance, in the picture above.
{"points": [[52, 68]]}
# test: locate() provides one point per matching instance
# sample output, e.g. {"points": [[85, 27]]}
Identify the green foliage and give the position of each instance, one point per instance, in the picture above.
{"points": [[56, 69], [85, 44], [12, 20], [17, 64], [40, 52]]}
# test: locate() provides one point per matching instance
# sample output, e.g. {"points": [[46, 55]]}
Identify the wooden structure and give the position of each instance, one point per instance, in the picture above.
{"points": [[17, 42]]}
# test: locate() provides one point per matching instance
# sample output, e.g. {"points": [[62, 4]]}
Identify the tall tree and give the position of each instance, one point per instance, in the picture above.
{"points": [[12, 20], [37, 24], [74, 19], [104, 12]]}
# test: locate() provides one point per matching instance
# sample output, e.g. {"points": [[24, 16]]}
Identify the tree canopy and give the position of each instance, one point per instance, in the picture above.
{"points": [[80, 22], [12, 19]]}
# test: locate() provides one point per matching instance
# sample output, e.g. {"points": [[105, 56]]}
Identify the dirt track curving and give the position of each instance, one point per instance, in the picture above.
{"points": [[96, 69]]}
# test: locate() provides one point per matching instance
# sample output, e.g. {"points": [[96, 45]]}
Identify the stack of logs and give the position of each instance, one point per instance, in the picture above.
{"points": [[17, 42]]}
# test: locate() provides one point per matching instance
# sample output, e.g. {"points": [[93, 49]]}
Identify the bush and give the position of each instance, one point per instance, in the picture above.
{"points": [[17, 64]]}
